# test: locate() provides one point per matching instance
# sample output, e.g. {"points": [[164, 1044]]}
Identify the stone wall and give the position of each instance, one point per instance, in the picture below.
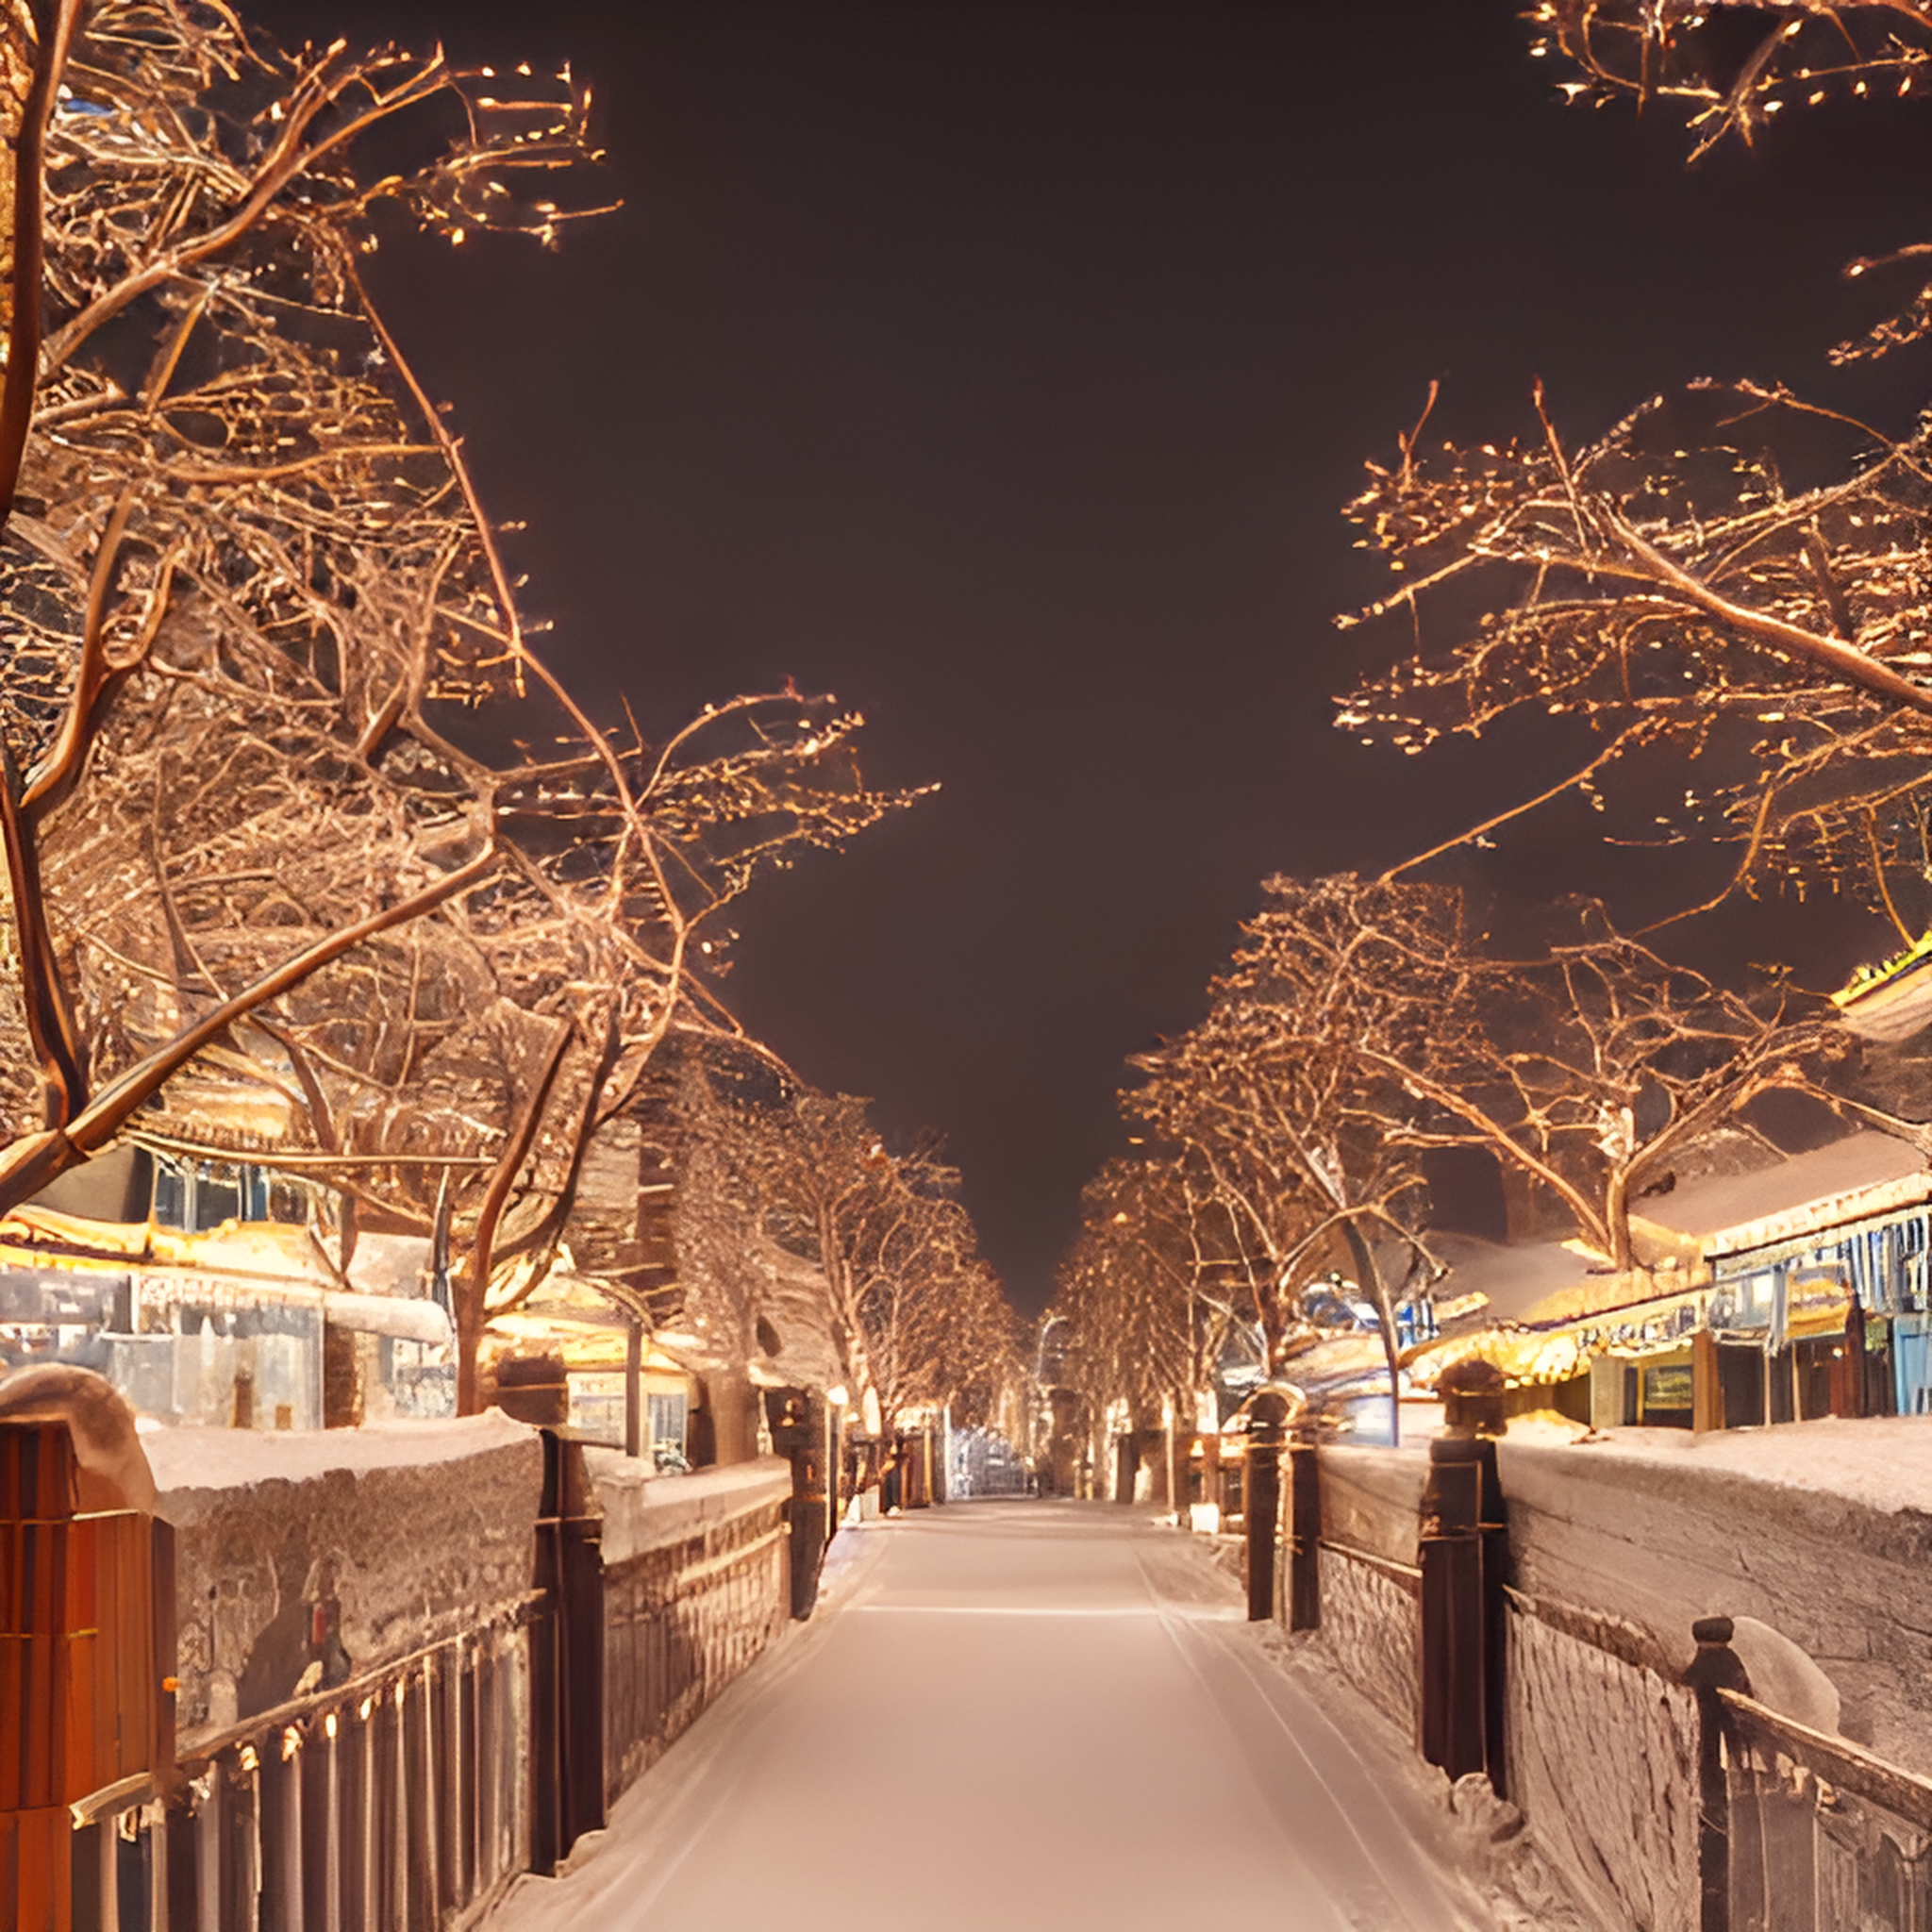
{"points": [[643, 1512], [1820, 1530], [1601, 1754], [1370, 1627], [1372, 1500], [697, 1582], [303, 1559], [1815, 1538]]}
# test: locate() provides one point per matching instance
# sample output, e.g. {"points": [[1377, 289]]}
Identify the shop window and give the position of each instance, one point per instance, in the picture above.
{"points": [[1666, 1395], [174, 1191], [666, 1416], [217, 1194], [197, 1195]]}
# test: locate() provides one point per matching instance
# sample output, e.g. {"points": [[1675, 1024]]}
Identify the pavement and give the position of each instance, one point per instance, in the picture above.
{"points": [[1020, 1713]]}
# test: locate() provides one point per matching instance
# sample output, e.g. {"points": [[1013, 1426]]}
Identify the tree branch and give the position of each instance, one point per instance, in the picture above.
{"points": [[54, 29]]}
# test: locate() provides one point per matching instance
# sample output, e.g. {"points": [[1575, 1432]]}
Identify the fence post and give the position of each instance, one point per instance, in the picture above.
{"points": [[1493, 1531], [1716, 1667], [799, 1435], [1261, 1500], [1464, 1558], [1305, 1533], [1453, 1632], [567, 1769]]}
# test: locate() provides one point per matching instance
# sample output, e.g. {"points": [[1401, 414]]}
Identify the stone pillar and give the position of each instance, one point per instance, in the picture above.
{"points": [[1210, 1477], [1176, 1446], [800, 1433]]}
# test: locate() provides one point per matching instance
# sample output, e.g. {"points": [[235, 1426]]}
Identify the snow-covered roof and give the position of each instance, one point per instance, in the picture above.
{"points": [[1515, 1279], [1719, 1204], [1819, 1217]]}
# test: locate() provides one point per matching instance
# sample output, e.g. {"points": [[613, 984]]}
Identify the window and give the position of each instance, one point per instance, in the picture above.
{"points": [[197, 1195], [666, 1415]]}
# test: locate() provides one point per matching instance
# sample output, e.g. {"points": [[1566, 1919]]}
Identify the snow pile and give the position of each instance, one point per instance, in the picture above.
{"points": [[1508, 1862], [192, 1458], [1880, 1463]]}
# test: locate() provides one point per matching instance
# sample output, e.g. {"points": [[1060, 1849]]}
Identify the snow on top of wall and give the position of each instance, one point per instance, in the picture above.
{"points": [[211, 1459], [1881, 1462], [643, 1510]]}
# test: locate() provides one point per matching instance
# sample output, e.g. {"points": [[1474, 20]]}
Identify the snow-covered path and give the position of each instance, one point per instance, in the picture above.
{"points": [[1039, 1714]]}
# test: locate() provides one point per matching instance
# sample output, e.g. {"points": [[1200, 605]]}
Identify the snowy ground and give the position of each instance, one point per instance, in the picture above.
{"points": [[1035, 1714]]}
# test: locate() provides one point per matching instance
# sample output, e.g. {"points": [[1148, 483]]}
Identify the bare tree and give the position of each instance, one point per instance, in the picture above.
{"points": [[1362, 1024], [1731, 575], [1144, 1323], [1290, 1098], [1733, 72], [743, 1293], [1152, 1295], [283, 869], [1596, 1068], [1664, 588], [915, 1315]]}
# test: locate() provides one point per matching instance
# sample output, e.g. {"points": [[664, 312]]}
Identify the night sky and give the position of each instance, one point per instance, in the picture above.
{"points": [[1002, 368]]}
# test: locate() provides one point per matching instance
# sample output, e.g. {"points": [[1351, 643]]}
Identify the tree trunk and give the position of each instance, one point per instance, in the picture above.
{"points": [[734, 1414], [1617, 1220], [1370, 1277]]}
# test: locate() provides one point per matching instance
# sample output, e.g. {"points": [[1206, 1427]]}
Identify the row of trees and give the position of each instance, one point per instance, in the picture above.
{"points": [[1364, 1025], [305, 849], [801, 1237], [1740, 660]]}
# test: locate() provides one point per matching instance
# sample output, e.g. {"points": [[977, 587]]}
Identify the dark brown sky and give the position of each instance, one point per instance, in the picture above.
{"points": [[1001, 368]]}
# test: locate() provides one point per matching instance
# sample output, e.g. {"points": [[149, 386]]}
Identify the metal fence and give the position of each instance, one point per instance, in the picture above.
{"points": [[395, 1802], [1823, 1836], [404, 1798], [679, 1624]]}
